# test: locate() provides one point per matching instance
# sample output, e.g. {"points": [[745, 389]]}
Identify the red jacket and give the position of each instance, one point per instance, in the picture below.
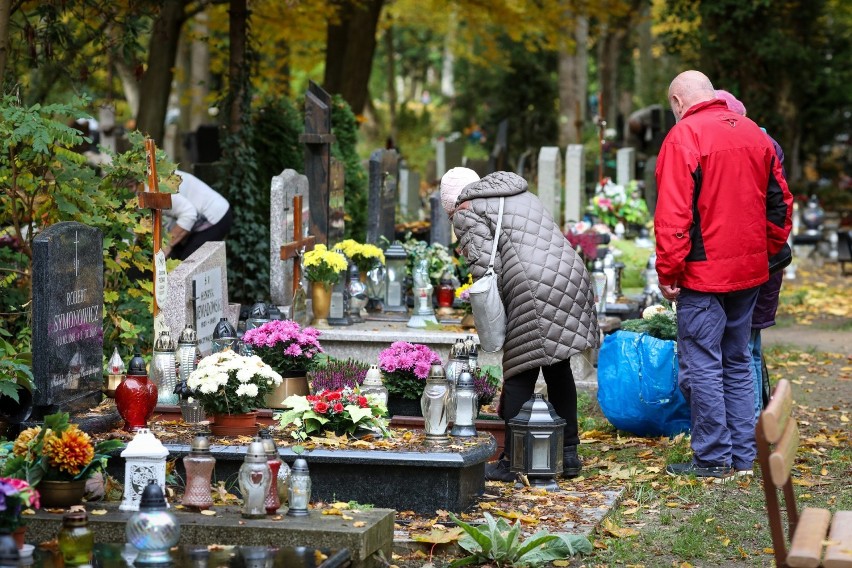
{"points": [[723, 205]]}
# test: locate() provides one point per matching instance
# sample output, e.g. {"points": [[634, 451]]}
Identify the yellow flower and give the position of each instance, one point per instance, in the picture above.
{"points": [[349, 247], [372, 251], [21, 447], [323, 265], [71, 451]]}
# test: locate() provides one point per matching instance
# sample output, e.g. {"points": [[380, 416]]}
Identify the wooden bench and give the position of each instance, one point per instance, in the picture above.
{"points": [[777, 442]]}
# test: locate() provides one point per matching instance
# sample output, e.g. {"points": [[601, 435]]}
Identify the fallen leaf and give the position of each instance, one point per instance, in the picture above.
{"points": [[98, 512], [359, 524], [209, 513], [618, 532], [560, 563], [346, 517], [331, 512], [438, 536]]}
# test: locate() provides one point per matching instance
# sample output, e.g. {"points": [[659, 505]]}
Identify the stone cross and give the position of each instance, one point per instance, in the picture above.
{"points": [[625, 166], [284, 187], [550, 181], [317, 139], [152, 199], [299, 245], [381, 204], [575, 180]]}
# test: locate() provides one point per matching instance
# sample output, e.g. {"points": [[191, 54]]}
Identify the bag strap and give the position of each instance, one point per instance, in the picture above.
{"points": [[496, 238]]}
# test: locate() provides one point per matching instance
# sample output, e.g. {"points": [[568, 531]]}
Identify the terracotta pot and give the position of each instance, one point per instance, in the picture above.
{"points": [[234, 424], [135, 399], [321, 297], [294, 383], [19, 534], [61, 494]]}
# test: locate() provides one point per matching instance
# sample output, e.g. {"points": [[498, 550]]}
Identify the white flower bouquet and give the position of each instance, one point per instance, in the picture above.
{"points": [[229, 383]]}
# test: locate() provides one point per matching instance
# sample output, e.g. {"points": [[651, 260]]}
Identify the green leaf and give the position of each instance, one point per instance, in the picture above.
{"points": [[9, 388], [533, 542], [57, 422], [482, 542]]}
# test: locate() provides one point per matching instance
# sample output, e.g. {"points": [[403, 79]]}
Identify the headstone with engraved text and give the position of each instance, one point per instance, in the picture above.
{"points": [[284, 187], [68, 295]]}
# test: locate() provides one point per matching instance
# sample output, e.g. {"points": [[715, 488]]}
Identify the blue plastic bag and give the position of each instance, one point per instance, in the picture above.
{"points": [[637, 385]]}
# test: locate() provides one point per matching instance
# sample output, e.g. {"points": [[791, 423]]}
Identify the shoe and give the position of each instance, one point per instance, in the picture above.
{"points": [[718, 471], [744, 472], [499, 471], [571, 464]]}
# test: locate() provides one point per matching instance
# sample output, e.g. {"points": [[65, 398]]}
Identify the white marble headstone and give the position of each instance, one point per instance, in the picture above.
{"points": [[284, 187], [575, 179], [625, 160], [550, 181]]}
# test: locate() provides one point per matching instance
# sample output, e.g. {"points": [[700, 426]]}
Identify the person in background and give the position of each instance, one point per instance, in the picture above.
{"points": [[723, 208], [545, 288], [767, 296], [198, 214]]}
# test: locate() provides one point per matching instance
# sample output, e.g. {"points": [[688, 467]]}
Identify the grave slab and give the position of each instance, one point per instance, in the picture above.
{"points": [[68, 292], [227, 527]]}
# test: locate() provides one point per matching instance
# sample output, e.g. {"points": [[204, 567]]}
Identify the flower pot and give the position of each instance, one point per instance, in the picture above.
{"points": [[234, 424], [61, 494], [321, 297], [19, 534], [192, 412], [404, 406], [294, 383]]}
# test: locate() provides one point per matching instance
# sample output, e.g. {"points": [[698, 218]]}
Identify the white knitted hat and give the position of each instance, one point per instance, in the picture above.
{"points": [[452, 184]]}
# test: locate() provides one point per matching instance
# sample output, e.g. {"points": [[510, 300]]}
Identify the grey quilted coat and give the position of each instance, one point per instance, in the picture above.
{"points": [[544, 284]]}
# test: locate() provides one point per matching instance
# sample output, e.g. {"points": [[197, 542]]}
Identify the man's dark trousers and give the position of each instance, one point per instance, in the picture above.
{"points": [[715, 375]]}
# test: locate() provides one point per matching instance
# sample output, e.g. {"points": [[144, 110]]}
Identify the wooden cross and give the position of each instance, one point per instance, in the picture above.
{"points": [[152, 199], [293, 250]]}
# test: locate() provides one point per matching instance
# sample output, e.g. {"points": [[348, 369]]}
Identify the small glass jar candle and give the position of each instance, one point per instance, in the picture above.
{"points": [[273, 501], [446, 292], [466, 407], [254, 480], [153, 530], [199, 466], [373, 388], [299, 489], [435, 404], [76, 539]]}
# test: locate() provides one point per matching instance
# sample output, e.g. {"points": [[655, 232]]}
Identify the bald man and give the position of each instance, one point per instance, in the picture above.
{"points": [[723, 208]]}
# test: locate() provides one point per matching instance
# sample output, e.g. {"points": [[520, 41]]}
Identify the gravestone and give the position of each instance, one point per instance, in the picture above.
{"points": [[575, 179], [284, 187], [198, 294], [317, 139], [499, 159], [409, 192], [336, 201], [441, 229], [625, 166], [381, 211], [650, 179], [449, 153], [68, 295], [550, 181]]}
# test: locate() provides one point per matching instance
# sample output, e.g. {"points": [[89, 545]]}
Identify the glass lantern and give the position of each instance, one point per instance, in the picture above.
{"points": [[164, 369], [224, 336], [373, 388], [537, 436], [396, 261], [446, 292], [258, 315], [254, 478], [199, 464], [422, 289], [472, 353], [187, 354], [299, 489], [273, 460], [76, 540], [466, 406], [144, 461], [357, 295], [153, 530], [338, 313], [435, 404], [115, 373]]}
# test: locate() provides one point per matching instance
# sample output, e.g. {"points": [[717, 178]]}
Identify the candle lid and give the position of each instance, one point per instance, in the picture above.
{"points": [[152, 497], [300, 466]]}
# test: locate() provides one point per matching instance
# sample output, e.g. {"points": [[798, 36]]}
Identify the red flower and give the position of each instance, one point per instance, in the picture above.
{"points": [[362, 402], [333, 395], [338, 407], [312, 398], [321, 407]]}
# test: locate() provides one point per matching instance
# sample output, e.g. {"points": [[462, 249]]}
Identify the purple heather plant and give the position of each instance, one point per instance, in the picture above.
{"points": [[284, 345], [338, 374], [406, 367], [485, 385]]}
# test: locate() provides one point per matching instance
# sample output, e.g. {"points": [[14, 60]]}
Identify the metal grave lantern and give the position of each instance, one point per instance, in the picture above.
{"points": [[164, 369], [299, 489], [144, 461], [396, 260], [357, 294], [813, 216], [537, 435], [258, 315], [466, 405], [436, 406], [373, 388], [338, 312], [224, 336]]}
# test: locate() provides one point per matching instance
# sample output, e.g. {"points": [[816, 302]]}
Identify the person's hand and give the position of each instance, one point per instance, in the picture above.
{"points": [[670, 293]]}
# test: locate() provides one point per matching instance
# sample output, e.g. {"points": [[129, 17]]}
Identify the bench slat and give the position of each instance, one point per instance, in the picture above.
{"points": [[839, 551], [777, 412], [806, 548], [782, 457]]}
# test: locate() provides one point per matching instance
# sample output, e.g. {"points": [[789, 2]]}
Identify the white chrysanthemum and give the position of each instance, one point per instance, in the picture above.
{"points": [[651, 311], [248, 390], [245, 375]]}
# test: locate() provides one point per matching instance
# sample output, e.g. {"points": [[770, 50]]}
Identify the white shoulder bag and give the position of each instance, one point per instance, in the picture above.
{"points": [[488, 311]]}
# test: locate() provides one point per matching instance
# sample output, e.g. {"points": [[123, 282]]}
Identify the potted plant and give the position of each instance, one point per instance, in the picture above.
{"points": [[322, 270], [463, 295], [485, 384], [17, 495], [57, 459], [405, 367], [290, 350], [364, 256], [342, 411], [230, 387], [337, 374]]}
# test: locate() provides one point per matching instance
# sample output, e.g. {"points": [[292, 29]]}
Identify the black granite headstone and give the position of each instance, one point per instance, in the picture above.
{"points": [[381, 210], [68, 295], [442, 231]]}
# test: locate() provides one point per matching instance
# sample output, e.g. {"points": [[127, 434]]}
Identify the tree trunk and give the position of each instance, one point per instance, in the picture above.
{"points": [[391, 85], [237, 68], [5, 15], [157, 81], [609, 44], [200, 73], [350, 45], [129, 84], [573, 81]]}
